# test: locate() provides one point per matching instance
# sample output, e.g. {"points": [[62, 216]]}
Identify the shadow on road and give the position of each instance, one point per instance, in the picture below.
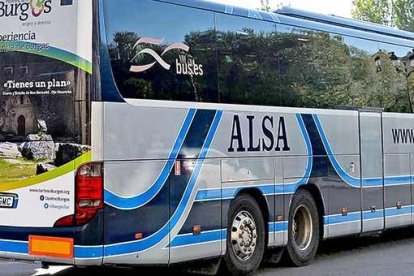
{"points": [[332, 248], [341, 245]]}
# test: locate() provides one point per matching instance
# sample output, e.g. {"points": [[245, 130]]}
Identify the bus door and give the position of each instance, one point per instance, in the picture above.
{"points": [[372, 175]]}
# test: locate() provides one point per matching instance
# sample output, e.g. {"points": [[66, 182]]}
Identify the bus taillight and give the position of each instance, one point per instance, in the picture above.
{"points": [[88, 195], [89, 192]]}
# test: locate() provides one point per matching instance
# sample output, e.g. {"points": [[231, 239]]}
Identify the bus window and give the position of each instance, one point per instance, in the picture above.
{"points": [[172, 58], [248, 61], [395, 68], [318, 68]]}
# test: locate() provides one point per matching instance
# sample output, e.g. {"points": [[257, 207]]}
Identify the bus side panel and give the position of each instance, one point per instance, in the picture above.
{"points": [[186, 243], [398, 139], [279, 217], [140, 147], [397, 197], [336, 169], [293, 178], [255, 176], [155, 160]]}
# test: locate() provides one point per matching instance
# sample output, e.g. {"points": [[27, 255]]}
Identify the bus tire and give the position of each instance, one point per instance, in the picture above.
{"points": [[303, 230], [246, 236]]}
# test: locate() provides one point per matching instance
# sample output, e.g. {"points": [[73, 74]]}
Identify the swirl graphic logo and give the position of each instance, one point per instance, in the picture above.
{"points": [[158, 58]]}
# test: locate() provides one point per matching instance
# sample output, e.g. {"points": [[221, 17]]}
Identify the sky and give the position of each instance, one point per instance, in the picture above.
{"points": [[337, 7]]}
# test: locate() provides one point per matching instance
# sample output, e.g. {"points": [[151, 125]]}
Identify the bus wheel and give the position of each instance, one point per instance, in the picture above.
{"points": [[245, 243], [303, 231]]}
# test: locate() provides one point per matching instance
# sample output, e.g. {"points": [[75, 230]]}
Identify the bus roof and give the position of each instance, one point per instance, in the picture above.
{"points": [[291, 16], [345, 22]]}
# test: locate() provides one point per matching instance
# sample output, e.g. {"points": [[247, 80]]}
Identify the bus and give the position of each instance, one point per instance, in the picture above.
{"points": [[161, 132]]}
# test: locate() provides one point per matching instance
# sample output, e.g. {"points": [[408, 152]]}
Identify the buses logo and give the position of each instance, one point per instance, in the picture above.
{"points": [[185, 65]]}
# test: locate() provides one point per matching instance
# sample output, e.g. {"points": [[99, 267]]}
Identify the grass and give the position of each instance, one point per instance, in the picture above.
{"points": [[18, 171]]}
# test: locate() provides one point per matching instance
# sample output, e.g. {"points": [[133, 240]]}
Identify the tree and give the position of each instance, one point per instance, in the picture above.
{"points": [[395, 13], [376, 11], [265, 5], [404, 14]]}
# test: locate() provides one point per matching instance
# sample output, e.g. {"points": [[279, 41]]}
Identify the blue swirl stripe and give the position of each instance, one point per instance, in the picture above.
{"points": [[17, 247], [128, 203], [309, 152], [88, 252], [353, 181], [339, 218], [218, 235], [204, 237], [399, 180], [278, 227], [394, 212], [144, 244], [378, 214], [84, 252], [367, 215], [266, 189], [350, 180]]}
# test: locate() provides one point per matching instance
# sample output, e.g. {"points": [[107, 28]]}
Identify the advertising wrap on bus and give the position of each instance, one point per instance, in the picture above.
{"points": [[45, 73]]}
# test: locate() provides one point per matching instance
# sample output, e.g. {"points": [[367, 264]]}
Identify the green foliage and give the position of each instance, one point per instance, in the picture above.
{"points": [[265, 5], [292, 68], [138, 88], [376, 11], [124, 41], [398, 13], [16, 170], [403, 14]]}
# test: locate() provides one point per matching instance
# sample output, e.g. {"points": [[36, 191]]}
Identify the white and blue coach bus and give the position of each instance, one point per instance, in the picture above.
{"points": [[149, 132]]}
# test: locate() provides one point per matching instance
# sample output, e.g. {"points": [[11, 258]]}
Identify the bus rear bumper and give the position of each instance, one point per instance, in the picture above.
{"points": [[71, 261], [81, 245]]}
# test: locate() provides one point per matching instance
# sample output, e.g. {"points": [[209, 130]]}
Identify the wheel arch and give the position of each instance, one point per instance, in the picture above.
{"points": [[320, 203], [258, 196]]}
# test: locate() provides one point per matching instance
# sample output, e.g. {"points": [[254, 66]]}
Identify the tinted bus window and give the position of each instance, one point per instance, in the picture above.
{"points": [[396, 79], [364, 89], [248, 61], [162, 51], [320, 69]]}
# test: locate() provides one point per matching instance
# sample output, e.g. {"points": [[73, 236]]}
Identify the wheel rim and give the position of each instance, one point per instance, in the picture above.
{"points": [[302, 228], [243, 236]]}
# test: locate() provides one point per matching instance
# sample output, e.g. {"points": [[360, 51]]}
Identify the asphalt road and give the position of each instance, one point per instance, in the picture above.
{"points": [[389, 254]]}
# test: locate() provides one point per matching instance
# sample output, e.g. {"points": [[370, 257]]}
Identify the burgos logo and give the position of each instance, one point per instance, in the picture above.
{"points": [[22, 8], [185, 64]]}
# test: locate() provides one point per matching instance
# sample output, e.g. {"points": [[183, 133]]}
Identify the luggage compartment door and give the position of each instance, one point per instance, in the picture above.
{"points": [[372, 174]]}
